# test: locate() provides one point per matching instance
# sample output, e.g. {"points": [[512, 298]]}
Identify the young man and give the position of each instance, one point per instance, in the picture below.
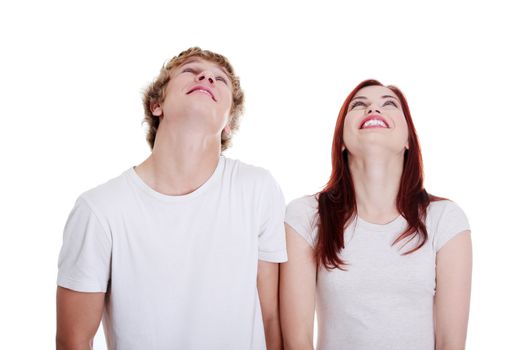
{"points": [[181, 251]]}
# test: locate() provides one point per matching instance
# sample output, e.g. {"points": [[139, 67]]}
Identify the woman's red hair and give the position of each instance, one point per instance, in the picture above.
{"points": [[337, 205]]}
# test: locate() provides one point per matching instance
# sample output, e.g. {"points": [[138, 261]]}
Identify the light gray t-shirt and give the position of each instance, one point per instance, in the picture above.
{"points": [[383, 300], [180, 271]]}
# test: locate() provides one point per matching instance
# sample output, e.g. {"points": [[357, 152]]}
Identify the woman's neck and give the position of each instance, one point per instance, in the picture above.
{"points": [[376, 183]]}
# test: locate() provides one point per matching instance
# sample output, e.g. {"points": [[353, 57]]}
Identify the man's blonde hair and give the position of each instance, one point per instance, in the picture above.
{"points": [[155, 92]]}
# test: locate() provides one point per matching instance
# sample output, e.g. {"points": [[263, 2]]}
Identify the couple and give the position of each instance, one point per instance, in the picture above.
{"points": [[190, 250]]}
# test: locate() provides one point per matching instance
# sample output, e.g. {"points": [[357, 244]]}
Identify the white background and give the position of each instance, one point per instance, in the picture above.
{"points": [[72, 73]]}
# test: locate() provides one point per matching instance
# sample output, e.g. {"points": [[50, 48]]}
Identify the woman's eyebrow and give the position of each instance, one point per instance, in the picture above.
{"points": [[390, 96]]}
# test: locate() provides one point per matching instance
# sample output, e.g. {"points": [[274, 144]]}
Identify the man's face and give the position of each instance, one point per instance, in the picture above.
{"points": [[199, 91]]}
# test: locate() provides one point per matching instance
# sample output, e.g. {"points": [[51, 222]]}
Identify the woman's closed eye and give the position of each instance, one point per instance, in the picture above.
{"points": [[357, 104], [390, 103]]}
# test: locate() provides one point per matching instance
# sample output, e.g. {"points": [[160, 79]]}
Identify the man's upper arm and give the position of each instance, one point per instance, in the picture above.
{"points": [[84, 263], [271, 236], [78, 318], [268, 287], [83, 277]]}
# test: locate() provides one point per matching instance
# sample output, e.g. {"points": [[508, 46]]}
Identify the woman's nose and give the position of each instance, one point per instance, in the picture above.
{"points": [[372, 109], [206, 75]]}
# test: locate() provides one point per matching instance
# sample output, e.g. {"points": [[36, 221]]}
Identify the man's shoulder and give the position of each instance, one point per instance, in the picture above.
{"points": [[112, 193], [246, 172]]}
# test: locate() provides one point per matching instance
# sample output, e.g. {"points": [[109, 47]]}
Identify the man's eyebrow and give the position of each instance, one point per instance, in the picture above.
{"points": [[188, 61], [197, 60]]}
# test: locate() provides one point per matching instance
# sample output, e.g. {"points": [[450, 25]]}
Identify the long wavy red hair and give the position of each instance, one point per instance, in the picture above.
{"points": [[337, 204]]}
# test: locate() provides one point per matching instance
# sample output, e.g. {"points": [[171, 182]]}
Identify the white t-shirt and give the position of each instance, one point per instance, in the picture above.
{"points": [[180, 271], [383, 300]]}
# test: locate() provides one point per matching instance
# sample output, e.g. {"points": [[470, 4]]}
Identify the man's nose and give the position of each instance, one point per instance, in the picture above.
{"points": [[206, 75]]}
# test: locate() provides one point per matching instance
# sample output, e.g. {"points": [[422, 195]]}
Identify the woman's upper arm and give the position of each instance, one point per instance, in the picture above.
{"points": [[452, 299], [297, 292]]}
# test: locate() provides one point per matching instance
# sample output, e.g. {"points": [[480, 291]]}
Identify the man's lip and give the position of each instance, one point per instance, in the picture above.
{"points": [[374, 116], [202, 88]]}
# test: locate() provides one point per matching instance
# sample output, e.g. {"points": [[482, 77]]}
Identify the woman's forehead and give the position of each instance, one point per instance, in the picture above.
{"points": [[374, 91]]}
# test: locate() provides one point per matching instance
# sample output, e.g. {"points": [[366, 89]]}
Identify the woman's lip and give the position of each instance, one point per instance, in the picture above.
{"points": [[374, 117], [374, 127]]}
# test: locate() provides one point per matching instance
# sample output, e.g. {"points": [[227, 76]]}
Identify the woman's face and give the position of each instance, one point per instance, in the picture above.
{"points": [[375, 122]]}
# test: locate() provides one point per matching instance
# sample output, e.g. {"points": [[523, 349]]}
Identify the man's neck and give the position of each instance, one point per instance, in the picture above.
{"points": [[180, 163]]}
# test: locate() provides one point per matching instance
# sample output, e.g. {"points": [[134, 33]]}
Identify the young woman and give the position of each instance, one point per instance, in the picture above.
{"points": [[384, 264]]}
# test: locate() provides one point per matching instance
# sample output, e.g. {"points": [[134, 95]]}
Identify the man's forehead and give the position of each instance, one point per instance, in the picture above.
{"points": [[198, 59]]}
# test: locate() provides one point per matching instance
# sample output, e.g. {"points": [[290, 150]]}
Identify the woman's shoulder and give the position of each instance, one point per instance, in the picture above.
{"points": [[442, 208], [308, 202], [445, 219]]}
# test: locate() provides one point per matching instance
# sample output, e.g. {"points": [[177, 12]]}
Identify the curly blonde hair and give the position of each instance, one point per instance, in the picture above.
{"points": [[155, 92]]}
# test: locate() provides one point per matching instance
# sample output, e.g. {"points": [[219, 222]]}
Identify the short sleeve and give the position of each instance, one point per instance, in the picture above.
{"points": [[450, 221], [85, 257], [272, 240], [301, 215]]}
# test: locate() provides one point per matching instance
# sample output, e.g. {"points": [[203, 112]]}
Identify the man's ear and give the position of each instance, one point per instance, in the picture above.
{"points": [[226, 132], [155, 109]]}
